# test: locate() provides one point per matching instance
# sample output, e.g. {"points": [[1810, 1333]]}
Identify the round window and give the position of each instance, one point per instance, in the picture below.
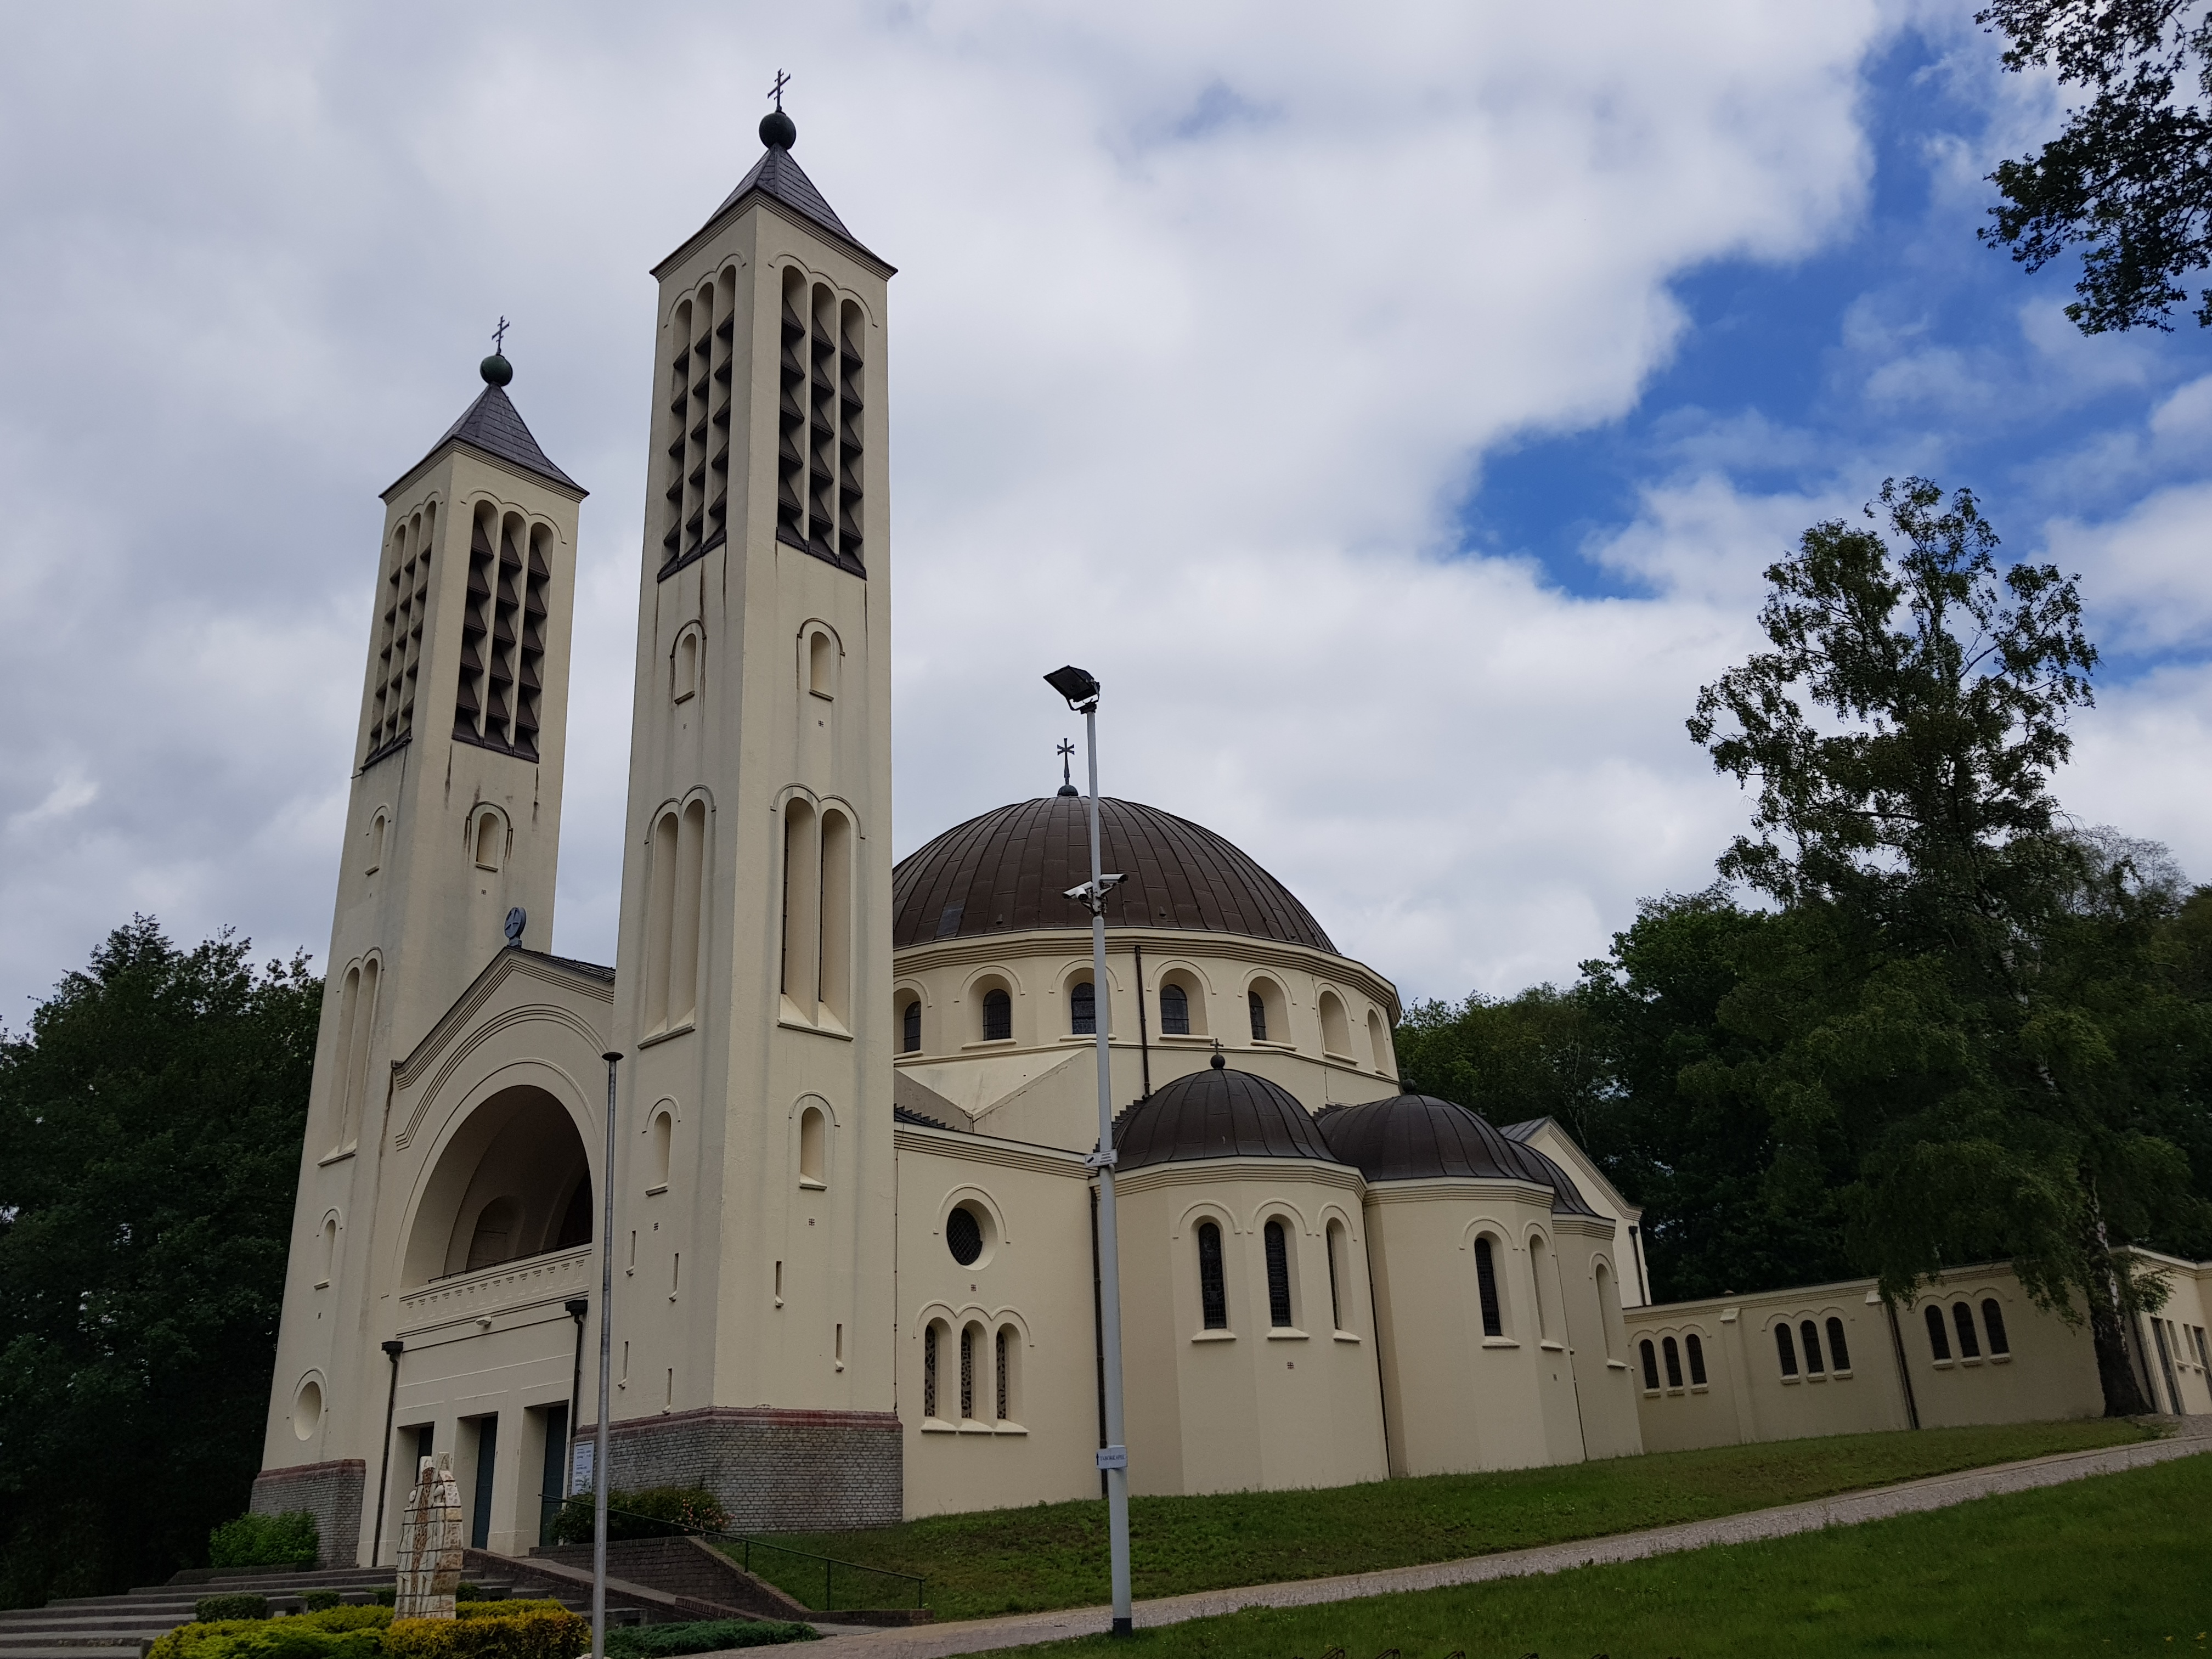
{"points": [[308, 1410], [963, 1236]]}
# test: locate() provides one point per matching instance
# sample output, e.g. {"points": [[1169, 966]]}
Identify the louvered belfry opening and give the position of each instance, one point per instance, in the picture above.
{"points": [[818, 424], [696, 472], [499, 702], [399, 632]]}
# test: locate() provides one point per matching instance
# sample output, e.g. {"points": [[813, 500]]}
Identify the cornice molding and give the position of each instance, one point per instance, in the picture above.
{"points": [[986, 1149]]}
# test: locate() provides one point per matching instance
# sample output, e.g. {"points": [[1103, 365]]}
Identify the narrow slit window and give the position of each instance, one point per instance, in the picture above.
{"points": [[1697, 1352], [1673, 1354], [1785, 1351], [1840, 1353], [1649, 1355], [967, 1373], [1002, 1373], [1485, 1285], [1083, 1009], [929, 1368], [1993, 1322], [1278, 1245], [1213, 1288], [1963, 1317], [1939, 1340], [910, 1027], [1333, 1236], [1258, 1004], [1811, 1334], [813, 1137]]}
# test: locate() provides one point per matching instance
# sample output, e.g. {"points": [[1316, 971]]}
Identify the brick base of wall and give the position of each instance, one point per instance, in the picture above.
{"points": [[332, 1492], [774, 1471]]}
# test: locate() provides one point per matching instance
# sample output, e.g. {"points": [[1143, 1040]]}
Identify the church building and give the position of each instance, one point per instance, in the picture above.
{"points": [[854, 1234]]}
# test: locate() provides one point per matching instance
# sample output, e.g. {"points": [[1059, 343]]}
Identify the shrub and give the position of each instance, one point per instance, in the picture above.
{"points": [[505, 1635], [242, 1605], [656, 1513], [204, 1640], [386, 1594], [507, 1609], [468, 1592], [708, 1636], [318, 1600], [290, 1639], [266, 1540]]}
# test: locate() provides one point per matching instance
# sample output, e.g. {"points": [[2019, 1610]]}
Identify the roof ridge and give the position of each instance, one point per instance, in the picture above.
{"points": [[493, 425]]}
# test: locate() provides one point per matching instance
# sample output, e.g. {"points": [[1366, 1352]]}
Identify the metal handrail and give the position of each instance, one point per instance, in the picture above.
{"points": [[830, 1563]]}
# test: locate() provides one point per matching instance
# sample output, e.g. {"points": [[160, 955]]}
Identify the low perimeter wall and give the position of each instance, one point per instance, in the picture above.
{"points": [[774, 1471], [332, 1492]]}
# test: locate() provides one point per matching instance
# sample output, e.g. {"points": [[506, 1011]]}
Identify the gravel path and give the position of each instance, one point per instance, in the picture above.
{"points": [[1935, 1493]]}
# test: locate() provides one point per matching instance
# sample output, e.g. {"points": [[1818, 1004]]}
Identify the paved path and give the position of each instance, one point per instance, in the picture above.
{"points": [[1935, 1493]]}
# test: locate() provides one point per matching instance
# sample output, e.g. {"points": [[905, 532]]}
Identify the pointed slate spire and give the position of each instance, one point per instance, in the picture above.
{"points": [[491, 424], [776, 175]]}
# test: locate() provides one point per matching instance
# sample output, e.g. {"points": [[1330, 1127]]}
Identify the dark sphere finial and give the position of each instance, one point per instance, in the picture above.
{"points": [[495, 369], [1220, 1063], [777, 131]]}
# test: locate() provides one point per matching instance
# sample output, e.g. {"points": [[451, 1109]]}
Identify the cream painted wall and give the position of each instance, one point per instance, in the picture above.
{"points": [[1024, 1088], [1550, 1138], [1255, 1406], [1034, 1274]]}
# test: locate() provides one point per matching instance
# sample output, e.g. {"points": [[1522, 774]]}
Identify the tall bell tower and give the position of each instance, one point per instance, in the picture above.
{"points": [[452, 828], [753, 996]]}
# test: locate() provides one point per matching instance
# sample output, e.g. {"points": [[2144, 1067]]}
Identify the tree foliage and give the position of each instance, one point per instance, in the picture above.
{"points": [[150, 1124], [2129, 179]]}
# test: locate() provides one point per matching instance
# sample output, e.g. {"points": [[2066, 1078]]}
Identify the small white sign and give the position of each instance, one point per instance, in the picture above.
{"points": [[1113, 1457], [579, 1468]]}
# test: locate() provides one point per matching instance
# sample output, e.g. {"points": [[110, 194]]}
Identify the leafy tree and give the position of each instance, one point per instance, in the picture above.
{"points": [[2130, 178], [1532, 1056], [149, 1135], [1956, 1032]]}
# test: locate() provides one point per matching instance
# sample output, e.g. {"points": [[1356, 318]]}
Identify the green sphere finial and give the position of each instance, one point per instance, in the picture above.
{"points": [[496, 370]]}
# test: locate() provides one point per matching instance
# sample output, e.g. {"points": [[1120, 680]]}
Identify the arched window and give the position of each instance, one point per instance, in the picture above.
{"points": [[375, 845], [998, 1016], [684, 935], [822, 665], [1083, 1009], [813, 1149], [1174, 1011], [1839, 1354], [1485, 1286], [836, 981], [490, 840], [1335, 1028], [910, 1026], [802, 921], [1963, 1317], [664, 1136], [356, 1027], [968, 1336], [929, 1341], [684, 668], [1785, 1351], [1540, 1273], [1674, 1357], [330, 1247], [1277, 1241], [1212, 1289], [1333, 1236], [1811, 1332], [1993, 1322], [1939, 1340], [1608, 1306], [1258, 1004], [1696, 1359], [1009, 1346], [1378, 1040], [1650, 1358]]}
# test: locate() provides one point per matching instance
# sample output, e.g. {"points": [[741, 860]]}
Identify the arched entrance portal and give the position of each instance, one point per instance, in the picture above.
{"points": [[513, 1182]]}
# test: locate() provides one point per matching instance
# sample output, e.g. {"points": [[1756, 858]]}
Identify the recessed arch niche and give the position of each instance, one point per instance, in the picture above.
{"points": [[512, 1183]]}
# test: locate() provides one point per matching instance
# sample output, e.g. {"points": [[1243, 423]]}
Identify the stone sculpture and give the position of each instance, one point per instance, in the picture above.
{"points": [[430, 1540]]}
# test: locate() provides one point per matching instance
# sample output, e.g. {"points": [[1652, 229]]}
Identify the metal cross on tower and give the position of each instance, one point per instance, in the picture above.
{"points": [[776, 91], [499, 335], [1064, 752]]}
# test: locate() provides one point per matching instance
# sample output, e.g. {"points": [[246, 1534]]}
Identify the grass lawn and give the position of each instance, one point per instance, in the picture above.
{"points": [[1054, 1555], [2114, 1565]]}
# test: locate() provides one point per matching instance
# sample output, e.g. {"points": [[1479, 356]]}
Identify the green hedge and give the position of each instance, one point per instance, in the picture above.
{"points": [[310, 1636], [318, 1600], [483, 1630], [655, 1512], [561, 1635], [708, 1636], [266, 1540]]}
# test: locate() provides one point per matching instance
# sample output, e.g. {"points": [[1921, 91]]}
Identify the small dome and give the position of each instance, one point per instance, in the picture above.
{"points": [[1008, 870], [1419, 1138], [1217, 1113], [778, 130]]}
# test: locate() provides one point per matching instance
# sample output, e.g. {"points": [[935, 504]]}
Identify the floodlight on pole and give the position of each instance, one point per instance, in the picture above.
{"points": [[1081, 691], [600, 1449]]}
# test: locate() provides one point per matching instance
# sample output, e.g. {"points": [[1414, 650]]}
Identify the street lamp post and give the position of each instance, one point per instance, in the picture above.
{"points": [[606, 1379], [1081, 691]]}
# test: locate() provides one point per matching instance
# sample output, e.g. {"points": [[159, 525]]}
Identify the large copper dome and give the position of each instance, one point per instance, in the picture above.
{"points": [[1008, 870]]}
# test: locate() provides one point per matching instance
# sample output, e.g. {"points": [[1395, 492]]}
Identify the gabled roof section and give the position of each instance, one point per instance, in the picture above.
{"points": [[491, 426]]}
